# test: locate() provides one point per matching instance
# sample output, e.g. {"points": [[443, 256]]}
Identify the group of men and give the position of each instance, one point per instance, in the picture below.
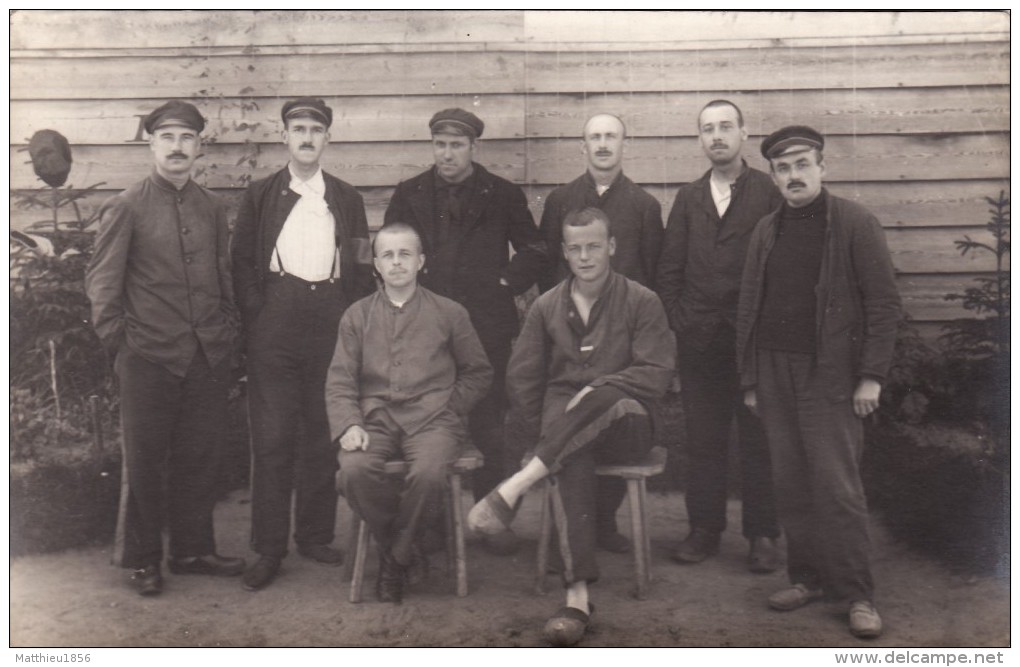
{"points": [[772, 297]]}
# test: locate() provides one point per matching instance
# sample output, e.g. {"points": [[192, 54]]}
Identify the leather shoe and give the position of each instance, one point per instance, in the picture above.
{"points": [[567, 626], [763, 556], [148, 580], [261, 574], [212, 564], [794, 597], [322, 553], [864, 620], [612, 541], [699, 545], [389, 585]]}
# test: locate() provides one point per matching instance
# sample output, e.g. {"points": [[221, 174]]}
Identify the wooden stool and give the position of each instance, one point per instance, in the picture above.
{"points": [[635, 474], [456, 557]]}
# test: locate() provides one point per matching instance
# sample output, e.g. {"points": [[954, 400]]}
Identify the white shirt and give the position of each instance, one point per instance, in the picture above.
{"points": [[721, 196], [307, 243]]}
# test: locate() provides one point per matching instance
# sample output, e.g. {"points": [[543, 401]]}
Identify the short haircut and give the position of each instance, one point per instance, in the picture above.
{"points": [[586, 216], [722, 103], [396, 228], [623, 126]]}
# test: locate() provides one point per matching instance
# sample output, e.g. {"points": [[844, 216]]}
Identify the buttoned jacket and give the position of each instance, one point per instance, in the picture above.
{"points": [[159, 276], [703, 255], [415, 361]]}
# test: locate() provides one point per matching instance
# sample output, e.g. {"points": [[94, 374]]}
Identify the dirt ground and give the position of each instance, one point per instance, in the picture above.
{"points": [[76, 599]]}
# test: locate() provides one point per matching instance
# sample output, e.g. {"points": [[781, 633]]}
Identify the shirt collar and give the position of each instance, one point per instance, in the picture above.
{"points": [[389, 303], [741, 177], [590, 180], [316, 185]]}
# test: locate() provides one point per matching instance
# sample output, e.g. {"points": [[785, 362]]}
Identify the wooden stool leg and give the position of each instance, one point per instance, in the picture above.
{"points": [[360, 554], [450, 518], [637, 531], [460, 555], [352, 546], [643, 495], [544, 533]]}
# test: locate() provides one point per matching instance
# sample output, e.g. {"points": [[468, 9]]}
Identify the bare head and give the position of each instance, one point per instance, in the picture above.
{"points": [[721, 131], [588, 244], [398, 255], [603, 141]]}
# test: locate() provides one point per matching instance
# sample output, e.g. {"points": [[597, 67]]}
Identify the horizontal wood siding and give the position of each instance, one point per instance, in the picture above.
{"points": [[915, 107]]}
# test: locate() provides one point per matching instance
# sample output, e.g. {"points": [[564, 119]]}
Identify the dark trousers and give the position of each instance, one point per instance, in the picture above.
{"points": [[173, 428], [712, 398], [485, 422], [291, 345], [816, 451], [396, 508], [606, 427]]}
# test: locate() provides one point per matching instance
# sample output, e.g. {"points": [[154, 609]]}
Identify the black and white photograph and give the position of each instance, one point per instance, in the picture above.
{"points": [[467, 328]]}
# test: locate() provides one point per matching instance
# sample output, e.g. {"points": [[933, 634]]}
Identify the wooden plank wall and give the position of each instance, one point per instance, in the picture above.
{"points": [[915, 107]]}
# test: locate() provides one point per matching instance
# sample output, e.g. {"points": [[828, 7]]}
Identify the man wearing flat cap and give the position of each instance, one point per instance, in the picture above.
{"points": [[816, 327], [163, 306], [467, 219], [301, 255]]}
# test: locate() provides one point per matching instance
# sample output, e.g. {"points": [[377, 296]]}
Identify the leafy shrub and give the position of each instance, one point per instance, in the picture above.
{"points": [[64, 497], [938, 465], [938, 491]]}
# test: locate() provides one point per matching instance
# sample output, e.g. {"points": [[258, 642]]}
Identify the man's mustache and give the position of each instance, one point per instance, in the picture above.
{"points": [[307, 146], [791, 184], [177, 155]]}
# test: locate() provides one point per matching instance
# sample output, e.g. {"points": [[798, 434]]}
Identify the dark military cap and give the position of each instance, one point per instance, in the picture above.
{"points": [[457, 121], [175, 112], [307, 107], [791, 139]]}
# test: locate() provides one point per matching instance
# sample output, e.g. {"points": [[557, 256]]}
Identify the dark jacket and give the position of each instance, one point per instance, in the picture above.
{"points": [[159, 278], [636, 217], [703, 256], [626, 344], [496, 216], [858, 306], [264, 209]]}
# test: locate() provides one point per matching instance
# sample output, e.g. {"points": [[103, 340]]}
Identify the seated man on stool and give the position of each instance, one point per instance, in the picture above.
{"points": [[595, 352], [407, 369]]}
